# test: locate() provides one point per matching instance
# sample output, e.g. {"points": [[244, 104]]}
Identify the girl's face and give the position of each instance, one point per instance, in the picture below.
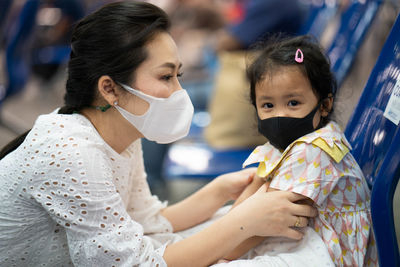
{"points": [[157, 75], [286, 93]]}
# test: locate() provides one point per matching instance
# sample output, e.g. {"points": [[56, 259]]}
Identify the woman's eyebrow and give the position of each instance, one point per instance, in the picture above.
{"points": [[170, 65]]}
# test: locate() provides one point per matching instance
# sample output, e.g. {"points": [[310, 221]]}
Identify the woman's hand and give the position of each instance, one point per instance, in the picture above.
{"points": [[231, 185], [273, 213]]}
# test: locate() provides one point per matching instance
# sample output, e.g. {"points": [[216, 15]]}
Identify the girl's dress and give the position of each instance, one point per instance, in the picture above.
{"points": [[319, 166]]}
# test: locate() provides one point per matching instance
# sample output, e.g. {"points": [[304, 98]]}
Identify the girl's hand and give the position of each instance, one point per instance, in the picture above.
{"points": [[231, 185], [273, 214]]}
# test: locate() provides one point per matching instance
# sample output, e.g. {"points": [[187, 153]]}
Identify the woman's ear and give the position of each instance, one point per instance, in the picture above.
{"points": [[327, 105], [108, 89]]}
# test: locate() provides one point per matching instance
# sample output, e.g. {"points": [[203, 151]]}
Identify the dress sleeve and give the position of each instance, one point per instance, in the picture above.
{"points": [[76, 189], [306, 170]]}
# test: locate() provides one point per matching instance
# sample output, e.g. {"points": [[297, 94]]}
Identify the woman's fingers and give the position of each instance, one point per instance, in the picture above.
{"points": [[301, 209], [299, 221], [304, 210], [293, 197]]}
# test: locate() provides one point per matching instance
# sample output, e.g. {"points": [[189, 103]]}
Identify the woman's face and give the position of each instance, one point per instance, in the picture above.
{"points": [[157, 75], [286, 93]]}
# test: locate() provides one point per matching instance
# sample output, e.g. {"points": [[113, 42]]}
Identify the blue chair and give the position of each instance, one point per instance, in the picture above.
{"points": [[355, 22], [374, 132], [319, 15]]}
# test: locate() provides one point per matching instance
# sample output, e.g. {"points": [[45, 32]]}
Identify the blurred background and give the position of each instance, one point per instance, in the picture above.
{"points": [[215, 40]]}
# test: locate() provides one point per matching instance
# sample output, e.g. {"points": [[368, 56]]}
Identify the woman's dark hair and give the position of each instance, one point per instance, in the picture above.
{"points": [[280, 52], [111, 41]]}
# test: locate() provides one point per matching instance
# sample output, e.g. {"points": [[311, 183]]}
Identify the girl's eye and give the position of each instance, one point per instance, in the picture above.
{"points": [[268, 105], [293, 103]]}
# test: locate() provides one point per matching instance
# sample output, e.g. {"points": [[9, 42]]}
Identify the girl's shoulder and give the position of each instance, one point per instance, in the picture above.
{"points": [[329, 140]]}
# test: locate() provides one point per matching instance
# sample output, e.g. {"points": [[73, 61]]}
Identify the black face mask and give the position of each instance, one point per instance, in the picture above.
{"points": [[282, 131]]}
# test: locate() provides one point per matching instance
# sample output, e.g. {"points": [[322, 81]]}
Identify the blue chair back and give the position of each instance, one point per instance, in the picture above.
{"points": [[198, 160], [355, 22], [373, 131], [319, 15]]}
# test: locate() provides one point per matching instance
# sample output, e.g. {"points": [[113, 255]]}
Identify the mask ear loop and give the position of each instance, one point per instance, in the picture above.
{"points": [[321, 104]]}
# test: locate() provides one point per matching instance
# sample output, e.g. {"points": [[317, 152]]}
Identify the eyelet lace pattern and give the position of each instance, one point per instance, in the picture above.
{"points": [[67, 198]]}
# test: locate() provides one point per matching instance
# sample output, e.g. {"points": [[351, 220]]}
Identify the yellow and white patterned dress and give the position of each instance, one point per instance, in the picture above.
{"points": [[319, 166]]}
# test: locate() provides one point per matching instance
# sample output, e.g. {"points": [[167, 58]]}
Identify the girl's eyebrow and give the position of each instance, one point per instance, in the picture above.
{"points": [[293, 95], [290, 95], [264, 97]]}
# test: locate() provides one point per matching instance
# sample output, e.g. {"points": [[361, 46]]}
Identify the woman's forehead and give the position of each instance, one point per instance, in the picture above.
{"points": [[162, 52]]}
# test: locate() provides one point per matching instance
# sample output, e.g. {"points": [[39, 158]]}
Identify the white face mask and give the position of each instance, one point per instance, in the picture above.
{"points": [[166, 120]]}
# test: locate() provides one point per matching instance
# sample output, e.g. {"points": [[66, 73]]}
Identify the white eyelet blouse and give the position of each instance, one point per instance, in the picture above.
{"points": [[67, 198]]}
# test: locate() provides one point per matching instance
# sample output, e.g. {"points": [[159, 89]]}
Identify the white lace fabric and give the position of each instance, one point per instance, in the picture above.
{"points": [[67, 198]]}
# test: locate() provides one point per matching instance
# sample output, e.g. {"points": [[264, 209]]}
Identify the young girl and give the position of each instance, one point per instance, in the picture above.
{"points": [[292, 89]]}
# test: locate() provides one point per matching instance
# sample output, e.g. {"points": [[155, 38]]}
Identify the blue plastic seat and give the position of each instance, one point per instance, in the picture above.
{"points": [[374, 133], [355, 22], [319, 15]]}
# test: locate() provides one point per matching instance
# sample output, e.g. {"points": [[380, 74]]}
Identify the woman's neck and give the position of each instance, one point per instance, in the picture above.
{"points": [[113, 128]]}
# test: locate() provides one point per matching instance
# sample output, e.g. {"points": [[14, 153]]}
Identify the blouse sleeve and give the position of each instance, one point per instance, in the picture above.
{"points": [[306, 170], [147, 210], [76, 189]]}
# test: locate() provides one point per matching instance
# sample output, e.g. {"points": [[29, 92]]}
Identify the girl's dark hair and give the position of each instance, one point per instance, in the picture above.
{"points": [[111, 41], [280, 52]]}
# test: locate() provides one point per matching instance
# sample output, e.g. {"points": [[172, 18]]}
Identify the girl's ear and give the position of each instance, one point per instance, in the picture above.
{"points": [[326, 106], [107, 89]]}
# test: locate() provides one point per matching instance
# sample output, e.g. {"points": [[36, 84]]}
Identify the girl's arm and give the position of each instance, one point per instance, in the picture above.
{"points": [[255, 240], [204, 203], [250, 190], [261, 214]]}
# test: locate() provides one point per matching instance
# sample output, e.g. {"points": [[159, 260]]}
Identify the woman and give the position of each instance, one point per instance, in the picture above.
{"points": [[73, 189]]}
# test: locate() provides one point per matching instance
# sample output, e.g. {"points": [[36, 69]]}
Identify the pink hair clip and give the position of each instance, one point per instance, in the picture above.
{"points": [[299, 56]]}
